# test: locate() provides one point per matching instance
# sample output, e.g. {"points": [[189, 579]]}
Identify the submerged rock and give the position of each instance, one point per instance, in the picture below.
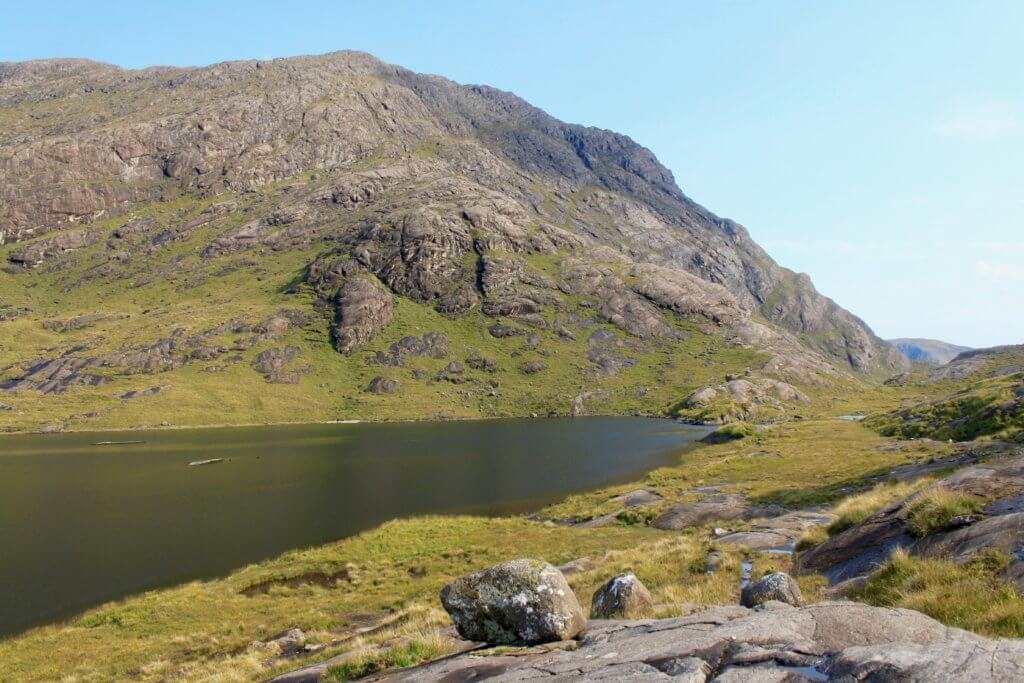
{"points": [[520, 601]]}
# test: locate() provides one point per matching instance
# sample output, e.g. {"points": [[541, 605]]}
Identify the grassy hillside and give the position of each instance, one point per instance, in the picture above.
{"points": [[173, 288], [978, 396]]}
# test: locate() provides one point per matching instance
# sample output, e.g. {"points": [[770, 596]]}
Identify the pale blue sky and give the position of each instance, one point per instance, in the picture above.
{"points": [[877, 146]]}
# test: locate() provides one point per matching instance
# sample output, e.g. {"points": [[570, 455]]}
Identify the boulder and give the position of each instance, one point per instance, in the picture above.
{"points": [[775, 586], [273, 365], [286, 643], [532, 367], [519, 601], [453, 372], [622, 597], [382, 385]]}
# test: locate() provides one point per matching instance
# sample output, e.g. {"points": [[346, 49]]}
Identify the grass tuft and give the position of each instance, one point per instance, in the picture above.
{"points": [[933, 510], [974, 596]]}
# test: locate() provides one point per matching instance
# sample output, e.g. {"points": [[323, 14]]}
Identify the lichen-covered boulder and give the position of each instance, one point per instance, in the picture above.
{"points": [[520, 601], [775, 586], [622, 597]]}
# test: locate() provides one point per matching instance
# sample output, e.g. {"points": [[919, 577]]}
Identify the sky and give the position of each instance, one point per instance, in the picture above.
{"points": [[877, 146]]}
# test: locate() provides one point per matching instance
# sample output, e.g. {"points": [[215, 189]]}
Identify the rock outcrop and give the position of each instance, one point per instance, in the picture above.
{"points": [[858, 551], [710, 508], [364, 309], [743, 399], [835, 641]]}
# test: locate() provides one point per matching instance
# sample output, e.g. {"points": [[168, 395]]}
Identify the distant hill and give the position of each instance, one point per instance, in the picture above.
{"points": [[930, 351], [980, 396]]}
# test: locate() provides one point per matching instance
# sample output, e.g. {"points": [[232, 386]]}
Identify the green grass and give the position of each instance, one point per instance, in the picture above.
{"points": [[389, 578], [932, 510], [988, 404], [179, 289], [797, 464], [733, 431], [974, 596]]}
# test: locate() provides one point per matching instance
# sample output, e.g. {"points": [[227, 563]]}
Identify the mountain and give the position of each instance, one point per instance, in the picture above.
{"points": [[929, 351], [374, 242]]}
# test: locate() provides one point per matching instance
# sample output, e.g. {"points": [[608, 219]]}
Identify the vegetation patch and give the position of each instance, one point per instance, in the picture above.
{"points": [[733, 431], [974, 596], [416, 650], [935, 509], [855, 509]]}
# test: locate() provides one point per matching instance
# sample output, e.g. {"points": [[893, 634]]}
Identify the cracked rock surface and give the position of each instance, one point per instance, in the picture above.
{"points": [[835, 641]]}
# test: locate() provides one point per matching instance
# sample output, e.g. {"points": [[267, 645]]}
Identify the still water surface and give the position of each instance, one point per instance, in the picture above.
{"points": [[82, 523]]}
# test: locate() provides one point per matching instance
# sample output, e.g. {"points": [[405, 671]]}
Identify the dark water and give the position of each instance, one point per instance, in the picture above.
{"points": [[81, 523]]}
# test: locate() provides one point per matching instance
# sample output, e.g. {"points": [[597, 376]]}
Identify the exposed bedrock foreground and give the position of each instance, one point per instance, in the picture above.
{"points": [[524, 609], [831, 641]]}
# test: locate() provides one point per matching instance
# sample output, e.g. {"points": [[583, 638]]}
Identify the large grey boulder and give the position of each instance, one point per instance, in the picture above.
{"points": [[775, 586], [622, 597], [519, 601]]}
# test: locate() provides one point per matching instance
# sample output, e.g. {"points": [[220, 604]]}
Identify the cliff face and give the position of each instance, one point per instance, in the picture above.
{"points": [[449, 195]]}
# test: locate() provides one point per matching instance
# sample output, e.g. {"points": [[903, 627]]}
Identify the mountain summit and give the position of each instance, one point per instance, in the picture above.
{"points": [[378, 242]]}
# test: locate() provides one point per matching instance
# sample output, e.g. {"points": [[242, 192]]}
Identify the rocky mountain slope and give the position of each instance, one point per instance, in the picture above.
{"points": [[928, 351], [374, 241], [979, 394]]}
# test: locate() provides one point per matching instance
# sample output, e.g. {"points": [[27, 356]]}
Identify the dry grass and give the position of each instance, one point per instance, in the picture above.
{"points": [[413, 646], [857, 508], [796, 464], [974, 596], [672, 569], [810, 538]]}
